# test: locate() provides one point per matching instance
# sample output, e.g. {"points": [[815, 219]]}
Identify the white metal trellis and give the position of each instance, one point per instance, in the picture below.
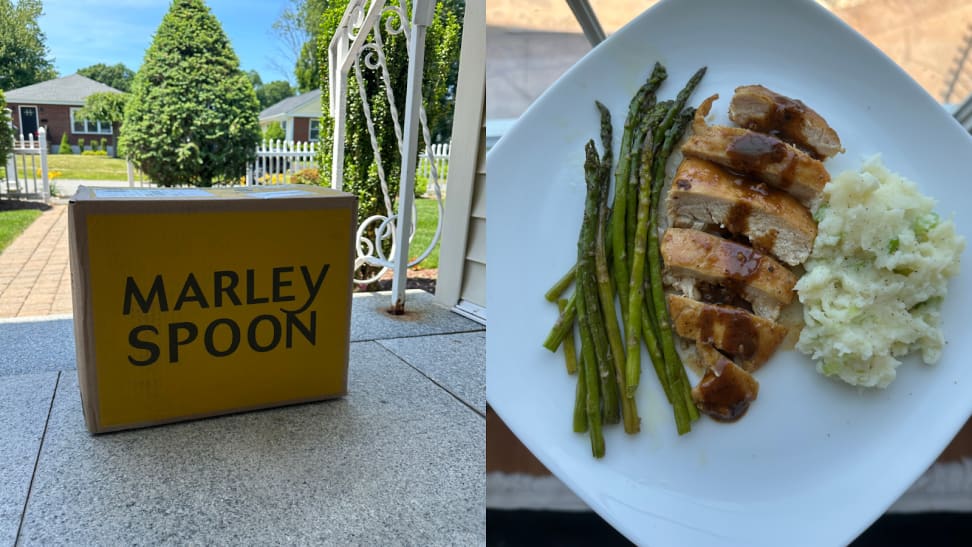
{"points": [[358, 40]]}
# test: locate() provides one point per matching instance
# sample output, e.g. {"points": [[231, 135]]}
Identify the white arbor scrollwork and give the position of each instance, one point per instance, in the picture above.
{"points": [[358, 45]]}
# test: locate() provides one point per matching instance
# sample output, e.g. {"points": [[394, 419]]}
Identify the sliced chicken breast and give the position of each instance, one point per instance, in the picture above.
{"points": [[749, 339], [726, 390], [759, 155], [705, 194], [690, 255], [760, 109]]}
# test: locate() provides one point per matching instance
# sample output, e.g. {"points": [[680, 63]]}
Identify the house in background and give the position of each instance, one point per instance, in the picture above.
{"points": [[299, 116], [52, 105]]}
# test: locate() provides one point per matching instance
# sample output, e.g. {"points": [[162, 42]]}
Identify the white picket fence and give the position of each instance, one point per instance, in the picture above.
{"points": [[441, 153], [25, 172], [277, 160]]}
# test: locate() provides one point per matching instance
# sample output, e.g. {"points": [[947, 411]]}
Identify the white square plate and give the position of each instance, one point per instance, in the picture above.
{"points": [[815, 461]]}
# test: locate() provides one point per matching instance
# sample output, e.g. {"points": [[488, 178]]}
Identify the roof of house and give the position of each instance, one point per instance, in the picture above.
{"points": [[290, 104], [71, 89]]}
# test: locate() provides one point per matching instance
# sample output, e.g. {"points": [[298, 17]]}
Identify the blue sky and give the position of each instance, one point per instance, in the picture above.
{"points": [[81, 33]]}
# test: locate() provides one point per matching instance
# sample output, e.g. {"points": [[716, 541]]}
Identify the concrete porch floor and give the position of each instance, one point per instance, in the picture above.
{"points": [[398, 460]]}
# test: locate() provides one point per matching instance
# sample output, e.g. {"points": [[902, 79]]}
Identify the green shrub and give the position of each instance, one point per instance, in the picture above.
{"points": [[81, 145], [274, 132], [65, 146], [104, 143], [192, 114], [6, 131], [441, 56], [95, 145], [421, 184]]}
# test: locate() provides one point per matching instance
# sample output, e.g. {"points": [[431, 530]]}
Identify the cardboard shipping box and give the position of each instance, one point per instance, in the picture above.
{"points": [[196, 302]]}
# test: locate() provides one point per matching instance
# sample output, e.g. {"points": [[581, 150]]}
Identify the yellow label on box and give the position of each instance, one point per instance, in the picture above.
{"points": [[197, 313]]}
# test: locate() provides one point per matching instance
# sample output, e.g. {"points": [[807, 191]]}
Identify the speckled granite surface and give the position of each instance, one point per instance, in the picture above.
{"points": [[399, 460]]}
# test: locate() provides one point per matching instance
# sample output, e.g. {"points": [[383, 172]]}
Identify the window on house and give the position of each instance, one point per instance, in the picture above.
{"points": [[314, 133], [85, 126]]}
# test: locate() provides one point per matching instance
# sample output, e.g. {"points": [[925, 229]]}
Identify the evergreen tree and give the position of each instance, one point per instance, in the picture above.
{"points": [[6, 132], [192, 114]]}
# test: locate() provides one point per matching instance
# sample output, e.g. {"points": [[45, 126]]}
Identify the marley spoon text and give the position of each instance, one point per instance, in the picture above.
{"points": [[223, 336]]}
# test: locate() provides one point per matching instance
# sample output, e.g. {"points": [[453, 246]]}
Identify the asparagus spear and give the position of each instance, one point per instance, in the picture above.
{"points": [[606, 138], [685, 411], [629, 411], [586, 301], [650, 116], [580, 400], [619, 246], [592, 401], [563, 325], [587, 277], [570, 353], [636, 291], [558, 288]]}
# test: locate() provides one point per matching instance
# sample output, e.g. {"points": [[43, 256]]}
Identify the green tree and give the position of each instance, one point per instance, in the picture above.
{"points": [[117, 76], [273, 92], [23, 53], [297, 29], [360, 174], [6, 132], [105, 106], [192, 114], [442, 51], [269, 93], [274, 132]]}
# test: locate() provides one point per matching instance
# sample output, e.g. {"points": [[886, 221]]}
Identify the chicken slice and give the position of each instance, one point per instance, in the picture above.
{"points": [[706, 194], [757, 278], [759, 155], [749, 339], [726, 390], [760, 109]]}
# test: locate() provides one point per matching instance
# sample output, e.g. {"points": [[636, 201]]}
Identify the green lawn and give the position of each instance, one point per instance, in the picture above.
{"points": [[87, 167], [427, 219], [13, 223], [102, 168]]}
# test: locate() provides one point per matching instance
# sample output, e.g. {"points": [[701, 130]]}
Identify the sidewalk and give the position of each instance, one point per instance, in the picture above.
{"points": [[35, 274], [399, 460], [35, 277]]}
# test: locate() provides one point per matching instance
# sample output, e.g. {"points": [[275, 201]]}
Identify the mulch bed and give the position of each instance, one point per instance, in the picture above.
{"points": [[16, 205], [417, 279]]}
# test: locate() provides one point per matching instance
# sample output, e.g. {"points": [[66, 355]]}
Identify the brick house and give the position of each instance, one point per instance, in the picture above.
{"points": [[53, 104], [299, 116]]}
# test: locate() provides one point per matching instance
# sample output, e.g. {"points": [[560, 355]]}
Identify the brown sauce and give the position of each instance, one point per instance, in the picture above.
{"points": [[786, 119], [766, 241], [737, 221], [752, 152], [739, 334], [711, 293], [725, 392]]}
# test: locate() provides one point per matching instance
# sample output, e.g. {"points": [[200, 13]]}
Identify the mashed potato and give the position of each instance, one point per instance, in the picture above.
{"points": [[876, 278]]}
